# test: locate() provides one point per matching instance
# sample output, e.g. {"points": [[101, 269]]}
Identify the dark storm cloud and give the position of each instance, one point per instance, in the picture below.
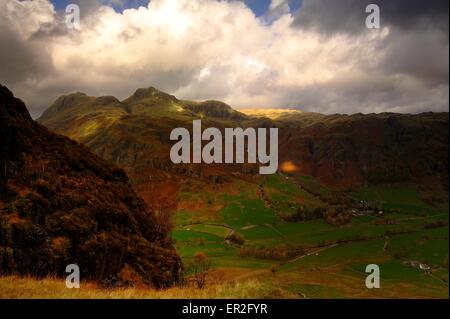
{"points": [[413, 60], [21, 58], [363, 93], [422, 54], [331, 16]]}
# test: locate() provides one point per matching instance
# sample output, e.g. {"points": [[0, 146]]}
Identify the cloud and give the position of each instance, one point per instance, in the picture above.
{"points": [[330, 16], [412, 59], [207, 49], [277, 9]]}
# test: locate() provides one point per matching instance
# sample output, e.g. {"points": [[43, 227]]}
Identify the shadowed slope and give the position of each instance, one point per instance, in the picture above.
{"points": [[60, 204]]}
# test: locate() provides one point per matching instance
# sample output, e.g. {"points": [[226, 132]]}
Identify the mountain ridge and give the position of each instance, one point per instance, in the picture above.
{"points": [[339, 150], [143, 101], [199, 106]]}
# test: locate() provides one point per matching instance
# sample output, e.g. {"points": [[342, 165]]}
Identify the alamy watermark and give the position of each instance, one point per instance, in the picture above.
{"points": [[251, 141], [373, 280], [73, 17], [73, 279], [373, 19]]}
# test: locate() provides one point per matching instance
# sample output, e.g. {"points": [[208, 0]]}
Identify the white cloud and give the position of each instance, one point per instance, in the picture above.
{"points": [[277, 9], [206, 49]]}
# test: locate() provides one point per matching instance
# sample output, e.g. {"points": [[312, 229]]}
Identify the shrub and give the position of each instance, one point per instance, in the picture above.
{"points": [[337, 216], [274, 268], [237, 239], [128, 276], [199, 268]]}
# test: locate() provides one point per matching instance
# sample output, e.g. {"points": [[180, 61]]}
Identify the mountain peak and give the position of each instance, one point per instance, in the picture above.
{"points": [[67, 101], [10, 106], [106, 100], [215, 109], [150, 93]]}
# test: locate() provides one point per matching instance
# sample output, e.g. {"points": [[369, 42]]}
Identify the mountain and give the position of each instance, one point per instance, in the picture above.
{"points": [[344, 152], [134, 134], [352, 151], [352, 190], [60, 204]]}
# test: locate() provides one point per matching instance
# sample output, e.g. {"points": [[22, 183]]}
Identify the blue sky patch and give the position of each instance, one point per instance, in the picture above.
{"points": [[259, 7]]}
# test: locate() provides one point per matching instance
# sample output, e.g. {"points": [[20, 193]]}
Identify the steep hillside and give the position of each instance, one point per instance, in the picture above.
{"points": [[350, 151], [344, 152], [60, 204]]}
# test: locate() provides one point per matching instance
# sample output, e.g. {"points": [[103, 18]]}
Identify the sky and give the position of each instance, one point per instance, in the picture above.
{"points": [[313, 55], [259, 7]]}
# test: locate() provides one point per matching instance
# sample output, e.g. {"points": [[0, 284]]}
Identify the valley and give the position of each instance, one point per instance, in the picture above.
{"points": [[224, 149], [351, 190], [313, 259]]}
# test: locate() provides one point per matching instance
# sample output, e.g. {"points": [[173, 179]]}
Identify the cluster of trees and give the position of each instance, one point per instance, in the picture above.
{"points": [[304, 214], [337, 216], [271, 253], [333, 215]]}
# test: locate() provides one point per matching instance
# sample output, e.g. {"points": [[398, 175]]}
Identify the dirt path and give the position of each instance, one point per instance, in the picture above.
{"points": [[313, 253], [231, 231], [208, 224], [437, 278], [293, 180]]}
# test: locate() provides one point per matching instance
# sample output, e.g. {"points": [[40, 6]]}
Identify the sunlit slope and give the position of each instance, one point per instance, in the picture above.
{"points": [[270, 113]]}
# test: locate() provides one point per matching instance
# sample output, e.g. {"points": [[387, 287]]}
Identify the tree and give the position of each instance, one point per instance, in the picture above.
{"points": [[200, 268]]}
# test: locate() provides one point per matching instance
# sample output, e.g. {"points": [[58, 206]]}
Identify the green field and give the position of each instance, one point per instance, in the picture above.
{"points": [[334, 258], [404, 198]]}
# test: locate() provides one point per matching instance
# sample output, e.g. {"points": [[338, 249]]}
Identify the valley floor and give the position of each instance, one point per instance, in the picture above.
{"points": [[409, 242]]}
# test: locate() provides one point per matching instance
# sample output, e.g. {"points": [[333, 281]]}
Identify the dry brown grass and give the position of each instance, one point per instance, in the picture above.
{"points": [[13, 287]]}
